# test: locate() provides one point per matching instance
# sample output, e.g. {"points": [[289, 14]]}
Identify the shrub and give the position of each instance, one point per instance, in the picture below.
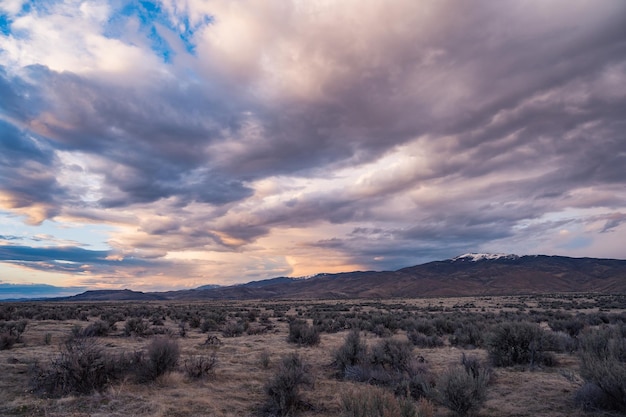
{"points": [[162, 357], [136, 327], [200, 367], [468, 336], [381, 330], [303, 334], [98, 328], [515, 343], [603, 367], [212, 340], [234, 329], [82, 367], [283, 389], [424, 341], [418, 384], [7, 340], [265, 359], [11, 333], [393, 354], [352, 352], [182, 329], [463, 388], [573, 327], [375, 402]]}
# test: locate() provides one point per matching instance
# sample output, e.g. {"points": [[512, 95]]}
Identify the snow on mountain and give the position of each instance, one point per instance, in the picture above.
{"points": [[475, 257]]}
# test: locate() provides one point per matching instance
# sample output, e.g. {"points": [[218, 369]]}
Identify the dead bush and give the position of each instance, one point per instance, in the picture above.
{"points": [[200, 367]]}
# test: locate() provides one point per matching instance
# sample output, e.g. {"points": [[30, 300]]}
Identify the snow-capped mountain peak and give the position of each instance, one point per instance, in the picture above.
{"points": [[475, 257]]}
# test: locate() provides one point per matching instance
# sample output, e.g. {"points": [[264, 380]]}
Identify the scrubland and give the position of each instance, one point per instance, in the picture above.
{"points": [[550, 355]]}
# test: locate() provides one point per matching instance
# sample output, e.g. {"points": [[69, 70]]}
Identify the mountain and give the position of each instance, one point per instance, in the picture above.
{"points": [[464, 275], [468, 274]]}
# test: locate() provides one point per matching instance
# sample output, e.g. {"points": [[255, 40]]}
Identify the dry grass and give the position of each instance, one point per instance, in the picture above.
{"points": [[237, 386]]}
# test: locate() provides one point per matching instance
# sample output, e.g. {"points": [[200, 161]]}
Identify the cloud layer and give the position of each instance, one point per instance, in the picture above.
{"points": [[225, 141]]}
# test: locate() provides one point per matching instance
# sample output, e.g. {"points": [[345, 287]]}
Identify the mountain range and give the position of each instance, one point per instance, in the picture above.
{"points": [[465, 275]]}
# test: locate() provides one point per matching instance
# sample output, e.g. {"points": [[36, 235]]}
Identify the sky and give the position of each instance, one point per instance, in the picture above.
{"points": [[172, 144]]}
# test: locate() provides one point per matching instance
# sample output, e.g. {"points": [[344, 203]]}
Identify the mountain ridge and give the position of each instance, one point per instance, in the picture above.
{"points": [[465, 275]]}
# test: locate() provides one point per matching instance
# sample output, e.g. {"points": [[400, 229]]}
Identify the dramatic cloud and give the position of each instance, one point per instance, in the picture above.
{"points": [[219, 141]]}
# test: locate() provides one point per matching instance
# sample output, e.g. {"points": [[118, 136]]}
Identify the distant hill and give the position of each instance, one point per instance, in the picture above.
{"points": [[465, 275], [114, 295]]}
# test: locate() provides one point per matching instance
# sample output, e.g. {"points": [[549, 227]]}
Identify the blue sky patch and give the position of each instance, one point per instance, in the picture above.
{"points": [[5, 25], [150, 15]]}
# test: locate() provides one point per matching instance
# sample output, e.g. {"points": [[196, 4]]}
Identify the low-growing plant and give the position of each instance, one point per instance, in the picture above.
{"points": [[81, 367], [265, 359], [303, 334], [467, 336], [11, 333], [283, 390], [392, 354], [135, 326], [212, 340], [234, 328], [161, 357], [375, 402], [7, 340], [98, 328], [353, 352], [603, 367], [463, 389], [200, 367], [518, 343], [422, 340]]}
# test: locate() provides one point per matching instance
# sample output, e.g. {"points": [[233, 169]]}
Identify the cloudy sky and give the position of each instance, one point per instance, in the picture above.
{"points": [[157, 145]]}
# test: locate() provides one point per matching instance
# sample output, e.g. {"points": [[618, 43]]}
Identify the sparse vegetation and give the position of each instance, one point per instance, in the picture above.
{"points": [[463, 388], [81, 367], [11, 333], [303, 334], [99, 370], [518, 343], [135, 326], [353, 352], [161, 357], [200, 367], [376, 402], [283, 391], [603, 367]]}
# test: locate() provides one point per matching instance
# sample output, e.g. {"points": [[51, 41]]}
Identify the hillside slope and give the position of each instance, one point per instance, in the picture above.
{"points": [[465, 275]]}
